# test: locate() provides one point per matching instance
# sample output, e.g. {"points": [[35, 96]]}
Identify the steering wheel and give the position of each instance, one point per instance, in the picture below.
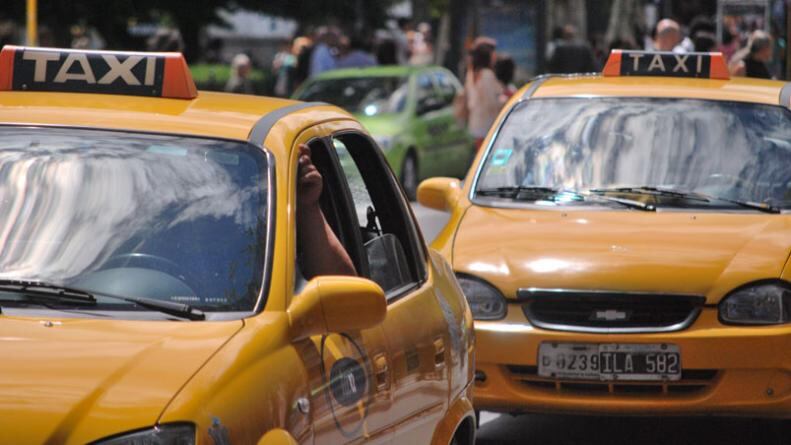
{"points": [[148, 261]]}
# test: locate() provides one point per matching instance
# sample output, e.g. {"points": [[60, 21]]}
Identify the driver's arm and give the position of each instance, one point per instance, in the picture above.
{"points": [[321, 251]]}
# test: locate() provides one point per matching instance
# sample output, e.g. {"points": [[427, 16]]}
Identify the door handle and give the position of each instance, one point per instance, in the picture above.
{"points": [[381, 372], [439, 352]]}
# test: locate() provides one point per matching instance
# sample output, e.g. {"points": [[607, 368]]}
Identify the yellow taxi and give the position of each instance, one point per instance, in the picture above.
{"points": [[624, 239], [152, 285]]}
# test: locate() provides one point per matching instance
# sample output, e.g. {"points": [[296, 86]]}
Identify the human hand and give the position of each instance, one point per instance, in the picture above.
{"points": [[309, 181]]}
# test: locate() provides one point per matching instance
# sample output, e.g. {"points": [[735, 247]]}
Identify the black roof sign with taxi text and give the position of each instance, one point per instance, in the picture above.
{"points": [[666, 64], [105, 72]]}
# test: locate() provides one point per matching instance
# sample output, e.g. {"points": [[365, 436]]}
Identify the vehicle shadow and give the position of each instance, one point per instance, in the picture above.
{"points": [[590, 430]]}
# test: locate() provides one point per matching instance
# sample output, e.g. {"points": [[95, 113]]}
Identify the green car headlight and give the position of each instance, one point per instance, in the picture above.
{"points": [[486, 302], [169, 434], [759, 304]]}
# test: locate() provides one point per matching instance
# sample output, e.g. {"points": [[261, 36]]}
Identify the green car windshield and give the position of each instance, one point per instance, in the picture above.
{"points": [[364, 95], [172, 218], [728, 150]]}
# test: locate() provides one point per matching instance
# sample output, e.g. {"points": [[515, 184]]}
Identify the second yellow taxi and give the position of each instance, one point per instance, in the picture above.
{"points": [[624, 239]]}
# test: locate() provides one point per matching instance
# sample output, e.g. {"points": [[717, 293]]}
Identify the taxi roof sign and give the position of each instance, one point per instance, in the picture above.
{"points": [[666, 64], [104, 72]]}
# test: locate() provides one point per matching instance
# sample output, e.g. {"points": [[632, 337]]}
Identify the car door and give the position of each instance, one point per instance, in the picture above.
{"points": [[349, 390], [415, 327]]}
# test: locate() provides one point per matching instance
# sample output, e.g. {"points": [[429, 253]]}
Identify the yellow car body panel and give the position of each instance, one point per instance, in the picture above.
{"points": [[748, 369], [740, 89], [75, 380]]}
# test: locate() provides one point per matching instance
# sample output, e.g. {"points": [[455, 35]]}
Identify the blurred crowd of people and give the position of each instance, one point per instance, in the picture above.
{"points": [[748, 50], [327, 48], [488, 84]]}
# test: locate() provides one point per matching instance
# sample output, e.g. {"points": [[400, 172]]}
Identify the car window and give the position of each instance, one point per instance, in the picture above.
{"points": [[724, 150], [388, 233], [425, 86], [447, 89], [172, 218], [367, 95]]}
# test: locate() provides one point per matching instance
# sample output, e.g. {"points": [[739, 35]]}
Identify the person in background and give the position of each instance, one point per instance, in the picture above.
{"points": [[571, 55], [302, 49], [730, 41], [422, 46], [483, 93], [400, 34], [283, 66], [353, 53], [752, 61], [387, 52], [239, 81], [703, 34], [504, 69], [557, 39], [668, 36], [323, 56]]}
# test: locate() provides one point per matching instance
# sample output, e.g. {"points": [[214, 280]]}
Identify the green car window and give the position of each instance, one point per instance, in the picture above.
{"points": [[368, 95]]}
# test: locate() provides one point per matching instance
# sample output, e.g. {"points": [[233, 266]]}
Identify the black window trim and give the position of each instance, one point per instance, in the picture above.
{"points": [[416, 252]]}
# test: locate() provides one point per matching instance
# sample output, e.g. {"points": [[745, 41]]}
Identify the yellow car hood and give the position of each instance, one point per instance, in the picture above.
{"points": [[77, 380], [702, 253]]}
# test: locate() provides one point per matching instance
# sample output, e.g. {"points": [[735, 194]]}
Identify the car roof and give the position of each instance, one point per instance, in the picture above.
{"points": [[739, 89], [374, 71], [211, 114]]}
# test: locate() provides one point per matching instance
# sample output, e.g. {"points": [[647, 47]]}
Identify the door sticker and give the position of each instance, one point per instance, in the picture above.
{"points": [[501, 156], [346, 374]]}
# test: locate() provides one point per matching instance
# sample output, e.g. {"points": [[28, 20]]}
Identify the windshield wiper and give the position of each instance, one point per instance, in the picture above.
{"points": [[513, 192], [658, 191], [629, 203], [48, 291], [761, 207], [651, 190], [63, 294]]}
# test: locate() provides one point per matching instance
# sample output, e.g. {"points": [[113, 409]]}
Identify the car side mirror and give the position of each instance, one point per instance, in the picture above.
{"points": [[439, 193], [336, 304]]}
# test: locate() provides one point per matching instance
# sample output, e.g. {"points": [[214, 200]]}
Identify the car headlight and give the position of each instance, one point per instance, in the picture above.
{"points": [[767, 303], [385, 142], [170, 434], [486, 302]]}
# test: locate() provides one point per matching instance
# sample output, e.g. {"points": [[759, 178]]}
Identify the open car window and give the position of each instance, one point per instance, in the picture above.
{"points": [[390, 243]]}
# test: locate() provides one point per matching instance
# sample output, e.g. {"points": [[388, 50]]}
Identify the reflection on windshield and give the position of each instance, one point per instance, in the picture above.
{"points": [[725, 149], [167, 217], [367, 95]]}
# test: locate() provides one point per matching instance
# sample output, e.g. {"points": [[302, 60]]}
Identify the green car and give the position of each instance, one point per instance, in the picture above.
{"points": [[408, 111]]}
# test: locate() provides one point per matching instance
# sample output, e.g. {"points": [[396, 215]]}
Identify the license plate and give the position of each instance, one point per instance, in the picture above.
{"points": [[608, 361]]}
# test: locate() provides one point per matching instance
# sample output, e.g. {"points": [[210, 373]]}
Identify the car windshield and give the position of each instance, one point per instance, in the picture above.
{"points": [[367, 95], [728, 150], [171, 218]]}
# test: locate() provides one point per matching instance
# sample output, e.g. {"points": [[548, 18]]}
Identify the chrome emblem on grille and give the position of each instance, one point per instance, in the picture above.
{"points": [[609, 315]]}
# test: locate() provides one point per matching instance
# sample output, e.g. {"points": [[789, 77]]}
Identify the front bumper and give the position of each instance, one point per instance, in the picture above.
{"points": [[726, 370]]}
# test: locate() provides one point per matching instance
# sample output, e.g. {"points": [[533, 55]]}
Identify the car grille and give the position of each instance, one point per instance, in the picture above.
{"points": [[692, 381], [609, 312]]}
